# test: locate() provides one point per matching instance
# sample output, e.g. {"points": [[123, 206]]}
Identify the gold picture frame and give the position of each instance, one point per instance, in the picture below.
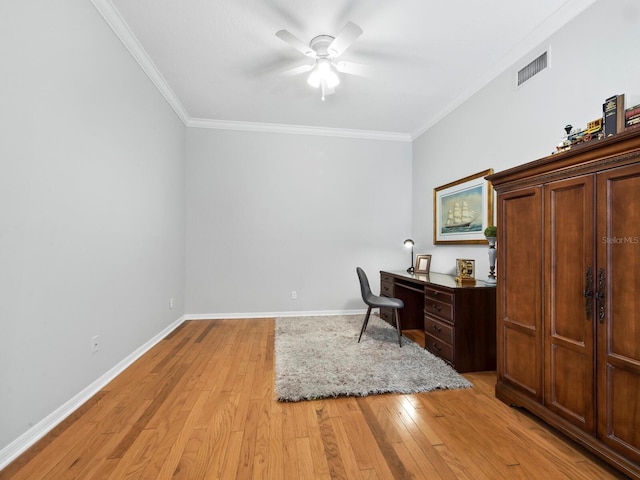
{"points": [[423, 264], [462, 210]]}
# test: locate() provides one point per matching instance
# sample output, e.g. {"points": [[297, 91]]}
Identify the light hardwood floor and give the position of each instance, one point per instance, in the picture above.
{"points": [[199, 405]]}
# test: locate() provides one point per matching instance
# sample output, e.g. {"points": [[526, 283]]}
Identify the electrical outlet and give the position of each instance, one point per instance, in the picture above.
{"points": [[95, 344], [171, 303], [294, 295]]}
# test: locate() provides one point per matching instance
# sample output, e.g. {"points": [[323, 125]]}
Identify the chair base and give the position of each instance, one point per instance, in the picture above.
{"points": [[396, 320]]}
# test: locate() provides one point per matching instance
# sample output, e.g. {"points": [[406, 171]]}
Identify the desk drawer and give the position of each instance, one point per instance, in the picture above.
{"points": [[386, 289], [435, 293], [439, 348], [440, 330], [386, 278], [438, 308]]}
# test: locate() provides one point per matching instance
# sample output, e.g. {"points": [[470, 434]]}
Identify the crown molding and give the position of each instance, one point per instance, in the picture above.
{"points": [[298, 130], [558, 19], [129, 40]]}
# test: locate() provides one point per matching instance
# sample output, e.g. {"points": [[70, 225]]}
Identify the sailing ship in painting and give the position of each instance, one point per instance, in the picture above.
{"points": [[460, 216]]}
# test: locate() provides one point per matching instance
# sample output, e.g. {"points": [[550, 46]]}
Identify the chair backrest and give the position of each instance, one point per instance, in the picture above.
{"points": [[365, 289]]}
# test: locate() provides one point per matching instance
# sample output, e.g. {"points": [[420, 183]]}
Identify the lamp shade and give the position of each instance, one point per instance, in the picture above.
{"points": [[409, 243]]}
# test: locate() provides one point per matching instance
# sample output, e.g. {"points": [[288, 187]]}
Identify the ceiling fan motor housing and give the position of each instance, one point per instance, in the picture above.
{"points": [[320, 45]]}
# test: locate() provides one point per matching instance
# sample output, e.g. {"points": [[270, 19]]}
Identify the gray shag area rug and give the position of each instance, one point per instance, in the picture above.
{"points": [[319, 357]]}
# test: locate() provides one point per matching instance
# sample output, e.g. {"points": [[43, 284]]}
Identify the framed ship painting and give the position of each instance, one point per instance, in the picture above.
{"points": [[462, 210]]}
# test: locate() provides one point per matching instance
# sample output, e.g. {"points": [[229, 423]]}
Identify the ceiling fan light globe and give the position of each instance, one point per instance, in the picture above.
{"points": [[314, 79], [324, 67], [332, 79]]}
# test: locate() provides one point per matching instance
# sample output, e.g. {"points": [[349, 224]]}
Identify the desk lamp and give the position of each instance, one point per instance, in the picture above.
{"points": [[409, 243]]}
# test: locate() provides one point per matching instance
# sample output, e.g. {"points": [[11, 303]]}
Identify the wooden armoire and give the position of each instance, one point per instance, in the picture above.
{"points": [[568, 299]]}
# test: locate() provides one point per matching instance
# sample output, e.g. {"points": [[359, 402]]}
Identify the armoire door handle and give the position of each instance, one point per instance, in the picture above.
{"points": [[588, 293], [602, 284]]}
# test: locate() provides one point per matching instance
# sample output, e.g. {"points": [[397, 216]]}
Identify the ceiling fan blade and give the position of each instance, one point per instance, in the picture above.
{"points": [[296, 43], [345, 38], [351, 68], [297, 70]]}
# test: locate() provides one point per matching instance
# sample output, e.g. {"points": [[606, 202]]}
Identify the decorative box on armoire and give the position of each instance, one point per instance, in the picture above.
{"points": [[568, 321]]}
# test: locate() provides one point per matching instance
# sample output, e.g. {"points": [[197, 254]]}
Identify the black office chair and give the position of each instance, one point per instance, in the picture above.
{"points": [[374, 301]]}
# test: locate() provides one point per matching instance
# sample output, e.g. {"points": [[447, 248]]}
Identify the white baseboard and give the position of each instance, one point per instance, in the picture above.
{"points": [[220, 316], [9, 453]]}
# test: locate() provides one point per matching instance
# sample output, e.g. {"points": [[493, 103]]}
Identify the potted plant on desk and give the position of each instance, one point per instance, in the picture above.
{"points": [[491, 233]]}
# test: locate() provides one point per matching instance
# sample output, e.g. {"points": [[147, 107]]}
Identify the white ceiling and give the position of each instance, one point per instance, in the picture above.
{"points": [[218, 62]]}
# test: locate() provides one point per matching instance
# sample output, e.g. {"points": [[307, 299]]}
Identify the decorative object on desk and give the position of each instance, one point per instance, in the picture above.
{"points": [[465, 271], [613, 115], [462, 210], [423, 263], [491, 234], [409, 243], [318, 357]]}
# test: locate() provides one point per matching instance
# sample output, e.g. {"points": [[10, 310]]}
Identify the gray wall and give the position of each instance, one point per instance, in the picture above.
{"points": [[270, 213], [91, 207], [591, 58]]}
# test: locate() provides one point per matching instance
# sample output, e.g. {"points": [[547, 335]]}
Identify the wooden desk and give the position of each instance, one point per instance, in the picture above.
{"points": [[459, 321]]}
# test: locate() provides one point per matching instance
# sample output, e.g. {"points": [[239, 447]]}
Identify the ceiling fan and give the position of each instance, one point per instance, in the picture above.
{"points": [[324, 49]]}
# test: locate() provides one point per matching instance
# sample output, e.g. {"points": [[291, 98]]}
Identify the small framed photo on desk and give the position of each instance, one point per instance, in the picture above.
{"points": [[423, 263]]}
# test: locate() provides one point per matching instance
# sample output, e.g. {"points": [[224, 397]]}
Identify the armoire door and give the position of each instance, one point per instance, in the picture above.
{"points": [[618, 309], [519, 332], [569, 328]]}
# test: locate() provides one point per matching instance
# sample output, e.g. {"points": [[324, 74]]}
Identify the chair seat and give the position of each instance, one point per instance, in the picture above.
{"points": [[376, 301]]}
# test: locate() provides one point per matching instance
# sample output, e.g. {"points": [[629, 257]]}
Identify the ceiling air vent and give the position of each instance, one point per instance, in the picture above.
{"points": [[534, 67]]}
